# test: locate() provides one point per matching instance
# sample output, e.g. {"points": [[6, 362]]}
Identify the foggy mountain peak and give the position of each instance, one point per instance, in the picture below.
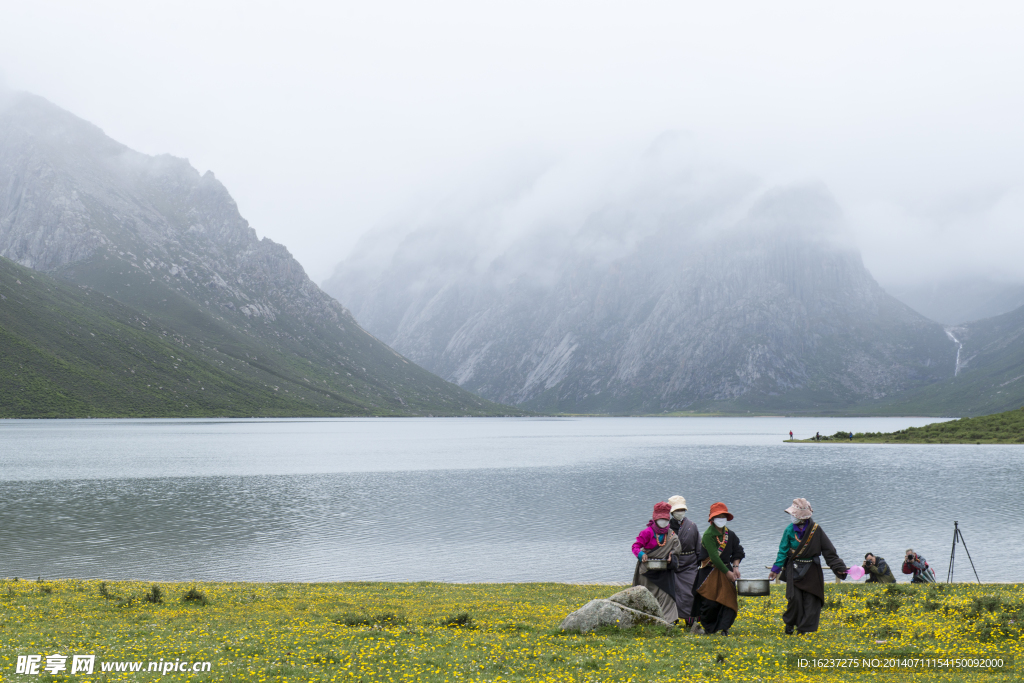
{"points": [[668, 287]]}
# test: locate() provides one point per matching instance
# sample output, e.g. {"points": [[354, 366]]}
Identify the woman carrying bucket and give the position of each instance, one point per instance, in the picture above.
{"points": [[658, 544], [715, 603], [803, 543]]}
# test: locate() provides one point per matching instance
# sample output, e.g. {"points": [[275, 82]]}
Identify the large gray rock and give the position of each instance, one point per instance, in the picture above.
{"points": [[597, 613], [640, 599]]}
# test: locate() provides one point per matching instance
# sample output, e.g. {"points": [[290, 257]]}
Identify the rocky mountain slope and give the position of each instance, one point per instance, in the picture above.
{"points": [[681, 294], [157, 236]]}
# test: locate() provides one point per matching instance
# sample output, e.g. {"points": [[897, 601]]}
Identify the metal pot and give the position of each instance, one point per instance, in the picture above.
{"points": [[753, 587], [657, 564]]}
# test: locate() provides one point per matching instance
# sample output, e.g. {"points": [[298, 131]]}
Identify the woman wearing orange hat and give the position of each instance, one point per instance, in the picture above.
{"points": [[720, 555], [803, 543], [657, 541]]}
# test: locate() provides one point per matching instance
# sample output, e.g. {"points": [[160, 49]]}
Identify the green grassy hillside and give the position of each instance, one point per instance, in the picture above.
{"points": [[69, 351], [1005, 427], [332, 370]]}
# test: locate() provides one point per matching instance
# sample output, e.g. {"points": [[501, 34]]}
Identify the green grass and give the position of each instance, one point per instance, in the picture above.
{"points": [[483, 632], [1001, 428]]}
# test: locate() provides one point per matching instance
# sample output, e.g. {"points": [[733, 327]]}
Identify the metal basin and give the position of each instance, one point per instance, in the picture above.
{"points": [[657, 564], [753, 587]]}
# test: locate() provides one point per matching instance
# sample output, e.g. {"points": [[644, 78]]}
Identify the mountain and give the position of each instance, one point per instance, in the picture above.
{"points": [[989, 376], [676, 290], [170, 244]]}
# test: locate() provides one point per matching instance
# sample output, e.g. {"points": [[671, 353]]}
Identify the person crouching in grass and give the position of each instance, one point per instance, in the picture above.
{"points": [[720, 554], [803, 544], [877, 569], [657, 541], [918, 566]]}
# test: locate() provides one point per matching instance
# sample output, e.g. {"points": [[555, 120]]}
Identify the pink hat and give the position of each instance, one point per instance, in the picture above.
{"points": [[800, 508], [662, 511]]}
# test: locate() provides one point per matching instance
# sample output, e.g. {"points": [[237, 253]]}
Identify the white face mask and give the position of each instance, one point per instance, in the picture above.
{"points": [[662, 523], [796, 520], [679, 514], [720, 522]]}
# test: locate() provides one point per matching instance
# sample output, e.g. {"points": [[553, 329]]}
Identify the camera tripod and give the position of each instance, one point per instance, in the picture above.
{"points": [[958, 537]]}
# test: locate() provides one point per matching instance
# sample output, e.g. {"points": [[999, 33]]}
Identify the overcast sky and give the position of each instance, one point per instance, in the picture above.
{"points": [[326, 119]]}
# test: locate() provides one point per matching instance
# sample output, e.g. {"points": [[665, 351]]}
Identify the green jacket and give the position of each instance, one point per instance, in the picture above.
{"points": [[880, 572], [710, 542]]}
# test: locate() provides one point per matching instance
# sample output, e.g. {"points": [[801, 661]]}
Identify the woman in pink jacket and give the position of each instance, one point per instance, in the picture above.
{"points": [[657, 541]]}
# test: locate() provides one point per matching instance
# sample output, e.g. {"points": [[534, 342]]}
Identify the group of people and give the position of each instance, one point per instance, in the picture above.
{"points": [[878, 570], [698, 585]]}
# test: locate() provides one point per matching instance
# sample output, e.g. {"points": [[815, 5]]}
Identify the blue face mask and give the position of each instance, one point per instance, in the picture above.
{"points": [[662, 523], [720, 522]]}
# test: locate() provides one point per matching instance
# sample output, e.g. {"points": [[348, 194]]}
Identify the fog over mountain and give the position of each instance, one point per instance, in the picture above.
{"points": [[960, 300], [154, 234], [667, 285]]}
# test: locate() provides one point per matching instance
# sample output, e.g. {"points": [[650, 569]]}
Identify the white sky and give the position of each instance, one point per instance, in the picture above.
{"points": [[326, 119]]}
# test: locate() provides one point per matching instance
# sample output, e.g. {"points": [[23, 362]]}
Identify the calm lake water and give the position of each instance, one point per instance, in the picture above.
{"points": [[475, 499]]}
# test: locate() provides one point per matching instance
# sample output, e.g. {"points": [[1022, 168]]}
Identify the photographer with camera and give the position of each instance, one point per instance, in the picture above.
{"points": [[877, 569], [916, 565]]}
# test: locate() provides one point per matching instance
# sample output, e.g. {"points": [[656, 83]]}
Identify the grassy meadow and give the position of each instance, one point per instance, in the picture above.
{"points": [[481, 632]]}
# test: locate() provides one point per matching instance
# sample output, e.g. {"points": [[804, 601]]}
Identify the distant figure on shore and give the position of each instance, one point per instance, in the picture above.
{"points": [[817, 436], [790, 434], [877, 569], [686, 564], [916, 565], [803, 543], [716, 604], [851, 436], [657, 541]]}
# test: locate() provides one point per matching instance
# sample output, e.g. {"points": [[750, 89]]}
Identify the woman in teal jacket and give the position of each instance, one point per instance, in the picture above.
{"points": [[803, 543]]}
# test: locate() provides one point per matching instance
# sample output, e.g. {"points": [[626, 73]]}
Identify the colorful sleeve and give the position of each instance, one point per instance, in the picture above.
{"points": [[784, 545], [641, 541]]}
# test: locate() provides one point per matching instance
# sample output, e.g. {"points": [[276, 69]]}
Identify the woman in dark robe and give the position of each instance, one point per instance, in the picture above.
{"points": [[686, 561], [657, 541], [720, 554], [803, 544]]}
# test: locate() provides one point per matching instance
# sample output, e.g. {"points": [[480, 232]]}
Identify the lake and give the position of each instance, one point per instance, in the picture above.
{"points": [[476, 499]]}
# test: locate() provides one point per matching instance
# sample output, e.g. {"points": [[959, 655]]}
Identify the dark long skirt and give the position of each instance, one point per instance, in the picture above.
{"points": [[803, 612], [713, 616], [684, 581]]}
